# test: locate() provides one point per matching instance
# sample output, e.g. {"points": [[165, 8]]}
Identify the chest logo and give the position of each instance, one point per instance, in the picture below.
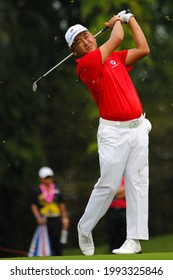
{"points": [[114, 63]]}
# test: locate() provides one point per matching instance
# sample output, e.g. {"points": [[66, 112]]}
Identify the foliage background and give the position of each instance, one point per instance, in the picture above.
{"points": [[57, 125]]}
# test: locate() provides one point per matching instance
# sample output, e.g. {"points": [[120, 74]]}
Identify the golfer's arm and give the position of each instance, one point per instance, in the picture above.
{"points": [[113, 42], [141, 46]]}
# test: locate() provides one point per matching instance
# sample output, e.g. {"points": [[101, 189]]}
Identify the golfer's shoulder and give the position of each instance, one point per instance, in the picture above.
{"points": [[89, 60]]}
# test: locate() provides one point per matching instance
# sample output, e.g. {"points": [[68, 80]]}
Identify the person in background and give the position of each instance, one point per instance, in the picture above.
{"points": [[116, 219], [48, 208]]}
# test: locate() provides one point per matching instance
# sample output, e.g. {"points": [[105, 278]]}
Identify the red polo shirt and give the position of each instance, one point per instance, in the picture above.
{"points": [[110, 85]]}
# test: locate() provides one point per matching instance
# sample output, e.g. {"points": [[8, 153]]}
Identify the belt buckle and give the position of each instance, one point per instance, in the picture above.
{"points": [[134, 124]]}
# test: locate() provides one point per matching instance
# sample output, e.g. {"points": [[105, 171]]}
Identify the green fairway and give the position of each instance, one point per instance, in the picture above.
{"points": [[145, 256], [157, 248]]}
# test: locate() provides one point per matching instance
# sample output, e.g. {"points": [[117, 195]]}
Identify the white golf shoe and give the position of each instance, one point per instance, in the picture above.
{"points": [[130, 246], [86, 244]]}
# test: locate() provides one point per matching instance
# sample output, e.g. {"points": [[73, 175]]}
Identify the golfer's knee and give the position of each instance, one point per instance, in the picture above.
{"points": [[110, 190]]}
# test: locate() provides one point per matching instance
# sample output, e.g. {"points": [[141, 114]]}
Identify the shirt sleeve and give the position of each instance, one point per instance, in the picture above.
{"points": [[34, 196], [58, 195], [122, 56]]}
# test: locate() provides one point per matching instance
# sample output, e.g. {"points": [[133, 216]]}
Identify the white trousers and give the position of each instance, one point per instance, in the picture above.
{"points": [[123, 151]]}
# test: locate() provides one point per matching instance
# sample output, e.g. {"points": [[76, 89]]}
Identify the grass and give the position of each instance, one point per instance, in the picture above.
{"points": [[144, 256], [157, 248]]}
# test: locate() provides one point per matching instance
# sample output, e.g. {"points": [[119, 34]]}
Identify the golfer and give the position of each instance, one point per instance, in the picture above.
{"points": [[123, 129]]}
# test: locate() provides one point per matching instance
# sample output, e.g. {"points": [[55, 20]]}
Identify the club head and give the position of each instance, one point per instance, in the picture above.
{"points": [[34, 86]]}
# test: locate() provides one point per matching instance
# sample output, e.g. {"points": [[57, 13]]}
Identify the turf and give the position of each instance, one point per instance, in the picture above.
{"points": [[158, 248], [144, 256]]}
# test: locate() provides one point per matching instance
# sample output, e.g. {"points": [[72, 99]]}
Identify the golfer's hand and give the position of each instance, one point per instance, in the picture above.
{"points": [[124, 16], [112, 21], [122, 13]]}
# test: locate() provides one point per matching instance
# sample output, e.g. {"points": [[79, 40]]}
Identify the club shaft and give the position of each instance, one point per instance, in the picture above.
{"points": [[67, 57], [102, 30]]}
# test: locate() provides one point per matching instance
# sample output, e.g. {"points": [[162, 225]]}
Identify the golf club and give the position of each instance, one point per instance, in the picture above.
{"points": [[34, 87]]}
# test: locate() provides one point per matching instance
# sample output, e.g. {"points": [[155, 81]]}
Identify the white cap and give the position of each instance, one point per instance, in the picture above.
{"points": [[72, 32], [45, 172]]}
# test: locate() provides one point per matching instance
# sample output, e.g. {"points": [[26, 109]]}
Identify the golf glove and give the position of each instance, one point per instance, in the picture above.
{"points": [[124, 16], [122, 13]]}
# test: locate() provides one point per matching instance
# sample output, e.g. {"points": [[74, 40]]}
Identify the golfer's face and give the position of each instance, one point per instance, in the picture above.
{"points": [[84, 43]]}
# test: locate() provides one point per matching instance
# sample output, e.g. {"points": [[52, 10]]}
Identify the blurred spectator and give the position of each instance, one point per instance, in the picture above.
{"points": [[49, 209]]}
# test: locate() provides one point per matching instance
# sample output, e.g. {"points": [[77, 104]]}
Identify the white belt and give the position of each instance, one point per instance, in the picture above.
{"points": [[124, 124]]}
